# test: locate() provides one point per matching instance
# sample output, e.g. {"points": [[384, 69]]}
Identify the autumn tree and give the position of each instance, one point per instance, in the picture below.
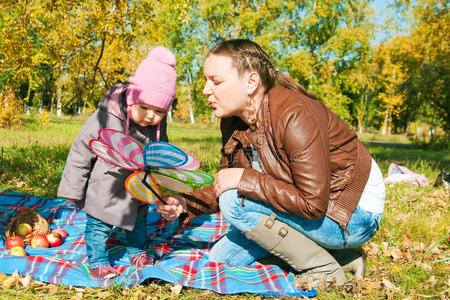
{"points": [[419, 75], [428, 62]]}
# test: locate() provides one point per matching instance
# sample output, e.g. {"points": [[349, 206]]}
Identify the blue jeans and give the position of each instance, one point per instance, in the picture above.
{"points": [[97, 233], [235, 249]]}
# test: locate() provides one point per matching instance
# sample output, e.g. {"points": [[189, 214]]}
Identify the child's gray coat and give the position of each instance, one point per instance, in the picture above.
{"points": [[98, 186]]}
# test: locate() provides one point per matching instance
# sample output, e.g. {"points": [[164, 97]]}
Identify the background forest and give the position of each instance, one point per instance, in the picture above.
{"points": [[61, 56]]}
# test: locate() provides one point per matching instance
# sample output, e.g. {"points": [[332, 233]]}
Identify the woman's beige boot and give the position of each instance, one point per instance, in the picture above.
{"points": [[351, 260], [302, 253]]}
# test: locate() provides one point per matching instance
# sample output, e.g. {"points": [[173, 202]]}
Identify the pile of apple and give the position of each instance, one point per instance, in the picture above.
{"points": [[15, 243]]}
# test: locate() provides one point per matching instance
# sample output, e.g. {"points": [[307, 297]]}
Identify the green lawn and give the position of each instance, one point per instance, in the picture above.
{"points": [[407, 258]]}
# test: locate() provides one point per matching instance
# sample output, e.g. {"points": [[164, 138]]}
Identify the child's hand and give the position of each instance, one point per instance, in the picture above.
{"points": [[175, 206]]}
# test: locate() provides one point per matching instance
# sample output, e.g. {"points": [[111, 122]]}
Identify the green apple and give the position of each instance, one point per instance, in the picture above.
{"points": [[24, 229], [17, 251]]}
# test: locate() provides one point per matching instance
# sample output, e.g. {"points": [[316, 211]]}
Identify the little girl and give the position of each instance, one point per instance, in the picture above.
{"points": [[97, 187]]}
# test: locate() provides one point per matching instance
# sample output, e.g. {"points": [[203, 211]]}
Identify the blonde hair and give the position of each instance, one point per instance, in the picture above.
{"points": [[248, 56]]}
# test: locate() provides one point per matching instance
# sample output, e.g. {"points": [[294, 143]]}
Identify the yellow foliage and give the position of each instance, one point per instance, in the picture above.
{"points": [[10, 110], [182, 110], [393, 102], [45, 117]]}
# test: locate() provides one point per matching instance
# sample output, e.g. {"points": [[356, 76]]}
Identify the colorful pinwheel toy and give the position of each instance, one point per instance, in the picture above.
{"points": [[159, 163]]}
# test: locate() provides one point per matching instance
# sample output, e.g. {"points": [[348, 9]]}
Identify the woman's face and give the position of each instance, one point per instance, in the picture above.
{"points": [[145, 115], [225, 89]]}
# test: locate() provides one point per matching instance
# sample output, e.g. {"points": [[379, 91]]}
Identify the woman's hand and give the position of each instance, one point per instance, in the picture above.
{"points": [[176, 205], [227, 179]]}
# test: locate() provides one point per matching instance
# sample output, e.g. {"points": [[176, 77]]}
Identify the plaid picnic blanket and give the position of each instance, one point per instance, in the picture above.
{"points": [[181, 253]]}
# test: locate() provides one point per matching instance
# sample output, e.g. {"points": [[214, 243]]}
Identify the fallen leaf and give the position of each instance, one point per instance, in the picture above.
{"points": [[20, 184], [389, 285], [103, 294], [425, 266], [367, 288], [371, 249], [394, 253], [36, 282], [3, 276], [402, 217], [26, 281], [206, 293], [77, 296], [396, 269], [421, 247], [385, 247], [376, 285], [9, 282], [435, 250], [125, 291], [176, 289], [16, 275], [432, 279], [52, 289], [407, 241]]}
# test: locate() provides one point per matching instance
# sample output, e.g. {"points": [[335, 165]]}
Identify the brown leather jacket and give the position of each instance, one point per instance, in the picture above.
{"points": [[313, 163]]}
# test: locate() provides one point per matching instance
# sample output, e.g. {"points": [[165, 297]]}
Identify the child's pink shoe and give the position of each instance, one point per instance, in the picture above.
{"points": [[141, 261], [104, 272]]}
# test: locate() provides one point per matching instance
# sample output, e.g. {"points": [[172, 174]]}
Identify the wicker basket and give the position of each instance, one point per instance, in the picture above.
{"points": [[28, 215]]}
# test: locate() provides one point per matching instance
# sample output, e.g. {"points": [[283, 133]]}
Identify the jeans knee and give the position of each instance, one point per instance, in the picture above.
{"points": [[364, 234], [216, 256]]}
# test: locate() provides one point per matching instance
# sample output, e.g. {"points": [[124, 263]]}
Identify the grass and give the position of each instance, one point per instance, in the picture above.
{"points": [[408, 257], [376, 136]]}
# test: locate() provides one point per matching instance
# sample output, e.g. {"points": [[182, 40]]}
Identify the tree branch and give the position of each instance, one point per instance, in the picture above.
{"points": [[99, 57]]}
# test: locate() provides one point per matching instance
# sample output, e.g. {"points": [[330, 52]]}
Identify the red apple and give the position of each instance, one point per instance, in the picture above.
{"points": [[62, 232], [14, 241], [54, 239], [24, 229], [21, 209], [17, 251], [39, 241]]}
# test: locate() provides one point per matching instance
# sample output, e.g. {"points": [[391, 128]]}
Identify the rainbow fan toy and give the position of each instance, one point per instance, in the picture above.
{"points": [[159, 163]]}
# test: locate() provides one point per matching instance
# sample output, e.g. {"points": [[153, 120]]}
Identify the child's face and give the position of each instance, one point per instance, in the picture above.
{"points": [[146, 115]]}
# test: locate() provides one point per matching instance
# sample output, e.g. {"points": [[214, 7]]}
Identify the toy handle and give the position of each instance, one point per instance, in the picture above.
{"points": [[144, 181]]}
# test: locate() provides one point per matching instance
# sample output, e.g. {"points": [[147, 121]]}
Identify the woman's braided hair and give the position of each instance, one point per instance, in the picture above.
{"points": [[248, 56]]}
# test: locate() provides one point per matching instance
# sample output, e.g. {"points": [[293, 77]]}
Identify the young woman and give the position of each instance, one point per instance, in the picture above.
{"points": [[294, 179]]}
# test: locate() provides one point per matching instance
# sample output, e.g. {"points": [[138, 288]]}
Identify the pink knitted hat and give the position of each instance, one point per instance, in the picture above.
{"points": [[155, 80]]}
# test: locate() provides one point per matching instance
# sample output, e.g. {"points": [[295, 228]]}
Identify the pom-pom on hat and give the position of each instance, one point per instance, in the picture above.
{"points": [[155, 80]]}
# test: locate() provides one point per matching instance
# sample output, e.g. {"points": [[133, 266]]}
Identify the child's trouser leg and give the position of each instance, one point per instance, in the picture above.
{"points": [[137, 238], [96, 235]]}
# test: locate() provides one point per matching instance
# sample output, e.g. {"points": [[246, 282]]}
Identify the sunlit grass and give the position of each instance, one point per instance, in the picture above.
{"points": [[377, 136]]}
